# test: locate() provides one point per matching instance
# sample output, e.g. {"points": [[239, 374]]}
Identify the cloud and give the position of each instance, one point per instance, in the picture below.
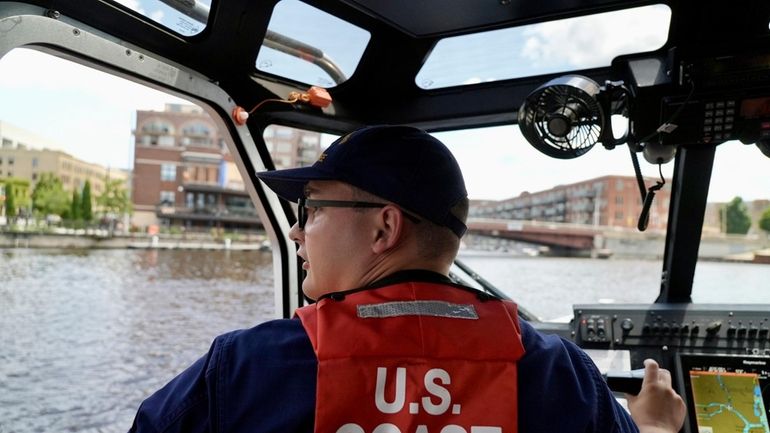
{"points": [[510, 165], [593, 40], [27, 69], [477, 80], [132, 4], [88, 112], [157, 15]]}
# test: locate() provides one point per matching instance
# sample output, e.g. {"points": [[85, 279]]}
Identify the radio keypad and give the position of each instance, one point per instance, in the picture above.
{"points": [[718, 119]]}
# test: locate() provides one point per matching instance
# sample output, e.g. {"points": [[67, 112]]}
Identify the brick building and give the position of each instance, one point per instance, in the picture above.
{"points": [[185, 176], [25, 156], [292, 147], [606, 201]]}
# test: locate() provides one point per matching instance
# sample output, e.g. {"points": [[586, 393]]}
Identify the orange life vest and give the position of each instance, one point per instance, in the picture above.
{"points": [[414, 358]]}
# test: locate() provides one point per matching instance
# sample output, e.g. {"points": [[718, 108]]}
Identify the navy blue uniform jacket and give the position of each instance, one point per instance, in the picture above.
{"points": [[263, 379]]}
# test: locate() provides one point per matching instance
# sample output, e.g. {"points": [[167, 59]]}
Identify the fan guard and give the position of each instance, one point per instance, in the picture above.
{"points": [[563, 118]]}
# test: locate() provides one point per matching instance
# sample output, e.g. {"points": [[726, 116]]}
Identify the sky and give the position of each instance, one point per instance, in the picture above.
{"points": [[91, 114], [85, 112]]}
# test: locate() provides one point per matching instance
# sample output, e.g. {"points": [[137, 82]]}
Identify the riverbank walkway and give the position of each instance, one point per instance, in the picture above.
{"points": [[86, 239]]}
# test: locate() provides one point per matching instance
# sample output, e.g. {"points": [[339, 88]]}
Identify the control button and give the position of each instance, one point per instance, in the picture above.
{"points": [[712, 328], [720, 104], [600, 332], [729, 119], [708, 113], [764, 125], [685, 329], [717, 128], [753, 331], [627, 325], [717, 136], [731, 103], [665, 328], [742, 332], [709, 105], [708, 121], [645, 329], [655, 328], [674, 328], [728, 126], [763, 333], [730, 112], [719, 113], [718, 120], [731, 331]]}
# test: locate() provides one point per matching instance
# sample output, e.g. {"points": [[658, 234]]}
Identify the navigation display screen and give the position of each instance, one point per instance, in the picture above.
{"points": [[726, 394]]}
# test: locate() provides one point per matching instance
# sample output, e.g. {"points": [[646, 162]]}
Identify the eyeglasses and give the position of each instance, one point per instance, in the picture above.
{"points": [[305, 203]]}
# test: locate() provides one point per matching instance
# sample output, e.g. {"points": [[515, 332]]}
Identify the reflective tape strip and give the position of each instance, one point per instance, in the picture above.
{"points": [[418, 308]]}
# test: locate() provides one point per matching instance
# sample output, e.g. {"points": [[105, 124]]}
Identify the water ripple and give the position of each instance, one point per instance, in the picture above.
{"points": [[85, 336]]}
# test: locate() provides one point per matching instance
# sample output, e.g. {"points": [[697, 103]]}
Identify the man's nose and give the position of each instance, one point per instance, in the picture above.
{"points": [[295, 234]]}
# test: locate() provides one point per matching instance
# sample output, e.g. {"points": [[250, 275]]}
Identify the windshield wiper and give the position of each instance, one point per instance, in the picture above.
{"points": [[490, 288]]}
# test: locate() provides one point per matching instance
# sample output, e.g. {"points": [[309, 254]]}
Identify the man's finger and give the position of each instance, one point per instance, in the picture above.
{"points": [[651, 371], [664, 376]]}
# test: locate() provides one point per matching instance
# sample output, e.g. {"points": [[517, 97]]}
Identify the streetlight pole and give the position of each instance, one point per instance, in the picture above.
{"points": [[724, 218]]}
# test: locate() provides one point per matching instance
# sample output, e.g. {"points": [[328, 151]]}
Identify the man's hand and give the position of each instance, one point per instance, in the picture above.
{"points": [[657, 408]]}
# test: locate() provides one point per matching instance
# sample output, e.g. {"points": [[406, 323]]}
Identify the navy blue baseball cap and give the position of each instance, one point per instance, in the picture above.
{"points": [[401, 164]]}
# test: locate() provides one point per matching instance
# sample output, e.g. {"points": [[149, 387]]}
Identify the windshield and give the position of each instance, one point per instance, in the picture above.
{"points": [[127, 241], [531, 192], [323, 54], [541, 48], [594, 197], [188, 18]]}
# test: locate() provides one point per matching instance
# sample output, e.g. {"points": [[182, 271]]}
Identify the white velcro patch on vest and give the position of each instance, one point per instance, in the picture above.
{"points": [[418, 308]]}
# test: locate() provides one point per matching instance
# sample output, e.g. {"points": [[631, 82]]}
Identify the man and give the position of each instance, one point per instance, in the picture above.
{"points": [[392, 345]]}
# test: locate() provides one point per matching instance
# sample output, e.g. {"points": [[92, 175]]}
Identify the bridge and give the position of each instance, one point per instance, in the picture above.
{"points": [[588, 240], [565, 237]]}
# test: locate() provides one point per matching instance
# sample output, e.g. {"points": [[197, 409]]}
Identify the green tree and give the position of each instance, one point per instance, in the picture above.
{"points": [[86, 211], [21, 193], [75, 206], [764, 220], [49, 197], [10, 201], [17, 196], [114, 200], [735, 217]]}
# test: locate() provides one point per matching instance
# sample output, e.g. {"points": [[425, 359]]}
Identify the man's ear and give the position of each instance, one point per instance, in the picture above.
{"points": [[388, 229]]}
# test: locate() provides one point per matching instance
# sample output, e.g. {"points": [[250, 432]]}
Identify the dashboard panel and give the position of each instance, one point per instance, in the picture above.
{"points": [[718, 354]]}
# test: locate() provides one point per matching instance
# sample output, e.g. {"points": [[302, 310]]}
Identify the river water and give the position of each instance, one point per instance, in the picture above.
{"points": [[85, 336]]}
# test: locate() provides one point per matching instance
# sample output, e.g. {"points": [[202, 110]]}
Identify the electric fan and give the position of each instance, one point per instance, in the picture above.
{"points": [[564, 117]]}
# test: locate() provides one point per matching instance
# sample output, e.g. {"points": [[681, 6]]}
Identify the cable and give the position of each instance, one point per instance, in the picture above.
{"points": [[644, 216], [292, 99], [638, 172], [668, 126]]}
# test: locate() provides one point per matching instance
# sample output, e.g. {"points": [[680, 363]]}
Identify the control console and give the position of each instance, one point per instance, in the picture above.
{"points": [[741, 329]]}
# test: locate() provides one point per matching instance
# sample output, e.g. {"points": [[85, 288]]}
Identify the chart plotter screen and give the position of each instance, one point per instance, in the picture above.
{"points": [[726, 394]]}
